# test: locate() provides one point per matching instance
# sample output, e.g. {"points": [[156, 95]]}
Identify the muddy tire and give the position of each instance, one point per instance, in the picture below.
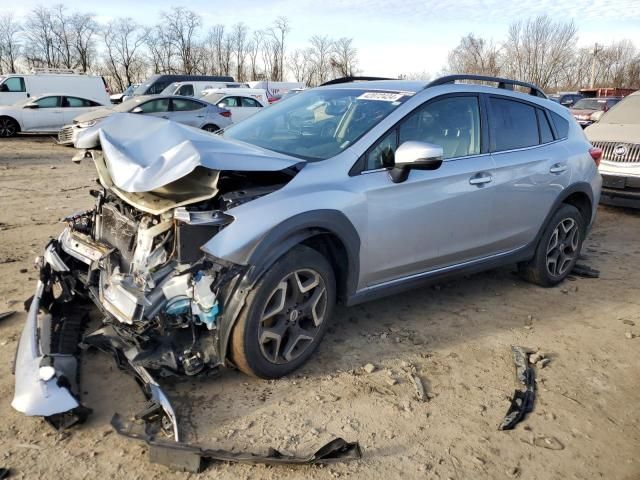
{"points": [[285, 316], [558, 249], [8, 127]]}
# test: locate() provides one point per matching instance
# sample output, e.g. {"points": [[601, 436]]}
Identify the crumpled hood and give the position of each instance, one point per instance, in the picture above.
{"points": [[94, 115], [613, 132], [145, 153]]}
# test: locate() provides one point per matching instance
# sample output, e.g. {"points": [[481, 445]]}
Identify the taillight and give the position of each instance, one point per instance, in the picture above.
{"points": [[596, 154], [226, 113]]}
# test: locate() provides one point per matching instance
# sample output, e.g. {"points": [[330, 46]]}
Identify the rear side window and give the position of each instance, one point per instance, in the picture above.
{"points": [[249, 102], [561, 124], [75, 102], [513, 124], [13, 84], [155, 106], [229, 102], [546, 135], [180, 105]]}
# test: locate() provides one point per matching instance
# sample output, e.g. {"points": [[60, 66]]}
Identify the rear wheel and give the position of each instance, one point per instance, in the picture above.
{"points": [[8, 127], [211, 128], [285, 316], [558, 249]]}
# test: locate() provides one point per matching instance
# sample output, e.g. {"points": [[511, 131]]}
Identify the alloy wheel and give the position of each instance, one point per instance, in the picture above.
{"points": [[292, 316], [7, 127], [562, 248]]}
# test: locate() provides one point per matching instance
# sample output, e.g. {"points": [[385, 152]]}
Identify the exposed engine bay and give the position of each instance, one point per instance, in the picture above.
{"points": [[129, 277]]}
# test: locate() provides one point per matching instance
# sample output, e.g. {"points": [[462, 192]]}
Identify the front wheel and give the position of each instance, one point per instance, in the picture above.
{"points": [[8, 127], [285, 315], [558, 249]]}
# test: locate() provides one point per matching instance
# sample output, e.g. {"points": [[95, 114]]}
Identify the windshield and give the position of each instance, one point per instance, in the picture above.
{"points": [[317, 124], [170, 89], [626, 111], [129, 90], [590, 104]]}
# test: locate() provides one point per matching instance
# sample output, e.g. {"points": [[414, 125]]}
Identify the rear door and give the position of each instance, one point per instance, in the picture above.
{"points": [[187, 111], [248, 106], [434, 219], [74, 106], [46, 115], [530, 170]]}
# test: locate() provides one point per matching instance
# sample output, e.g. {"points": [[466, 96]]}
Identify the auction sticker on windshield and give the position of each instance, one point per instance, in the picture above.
{"points": [[382, 96]]}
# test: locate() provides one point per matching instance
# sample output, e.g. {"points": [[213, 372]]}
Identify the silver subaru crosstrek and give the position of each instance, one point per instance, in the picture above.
{"points": [[204, 250]]}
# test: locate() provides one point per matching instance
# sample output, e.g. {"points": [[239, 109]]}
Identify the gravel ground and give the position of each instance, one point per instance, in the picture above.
{"points": [[457, 337]]}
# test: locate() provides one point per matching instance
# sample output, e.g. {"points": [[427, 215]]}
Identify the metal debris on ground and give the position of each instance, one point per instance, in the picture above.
{"points": [[524, 398], [417, 383], [191, 458], [551, 443], [585, 271]]}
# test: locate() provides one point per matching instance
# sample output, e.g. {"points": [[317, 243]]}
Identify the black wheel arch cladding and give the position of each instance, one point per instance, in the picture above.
{"points": [[280, 240]]}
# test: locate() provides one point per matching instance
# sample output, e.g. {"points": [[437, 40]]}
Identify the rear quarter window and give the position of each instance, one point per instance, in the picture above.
{"points": [[561, 124], [513, 124]]}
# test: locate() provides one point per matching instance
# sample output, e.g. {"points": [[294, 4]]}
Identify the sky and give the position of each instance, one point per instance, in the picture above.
{"points": [[392, 37]]}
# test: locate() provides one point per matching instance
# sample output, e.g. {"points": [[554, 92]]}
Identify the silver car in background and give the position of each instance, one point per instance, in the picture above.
{"points": [[190, 111], [233, 249]]}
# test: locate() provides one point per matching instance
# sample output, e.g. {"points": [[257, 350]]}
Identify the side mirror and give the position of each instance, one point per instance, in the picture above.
{"points": [[415, 155], [137, 110], [4, 88], [222, 105], [566, 102], [32, 105]]}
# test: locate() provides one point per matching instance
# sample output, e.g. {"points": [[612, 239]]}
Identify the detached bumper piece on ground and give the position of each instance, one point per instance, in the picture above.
{"points": [[523, 399], [193, 458]]}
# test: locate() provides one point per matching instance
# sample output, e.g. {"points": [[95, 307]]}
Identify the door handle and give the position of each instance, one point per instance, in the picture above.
{"points": [[165, 116], [200, 116], [558, 168], [480, 179]]}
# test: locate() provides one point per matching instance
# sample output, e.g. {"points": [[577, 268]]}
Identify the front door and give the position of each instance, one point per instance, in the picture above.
{"points": [[43, 115], [435, 219]]}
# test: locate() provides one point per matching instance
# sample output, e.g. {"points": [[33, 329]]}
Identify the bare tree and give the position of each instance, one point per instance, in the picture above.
{"points": [[161, 50], [321, 48], [84, 28], [474, 55], [40, 48], [239, 45], [537, 50], [301, 65], [123, 40], [10, 45], [253, 50], [345, 57], [63, 37], [278, 33], [182, 27]]}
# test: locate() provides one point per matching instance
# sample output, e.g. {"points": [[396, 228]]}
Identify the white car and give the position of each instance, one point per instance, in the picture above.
{"points": [[189, 111], [241, 102], [43, 114]]}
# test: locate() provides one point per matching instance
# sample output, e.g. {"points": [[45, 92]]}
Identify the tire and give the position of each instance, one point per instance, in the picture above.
{"points": [[558, 249], [8, 127], [285, 315], [210, 128]]}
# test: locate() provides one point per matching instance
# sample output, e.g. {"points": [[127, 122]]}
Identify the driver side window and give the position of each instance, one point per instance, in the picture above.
{"points": [[451, 122]]}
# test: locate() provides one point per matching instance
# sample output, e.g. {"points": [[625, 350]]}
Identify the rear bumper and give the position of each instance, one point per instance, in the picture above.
{"points": [[620, 190]]}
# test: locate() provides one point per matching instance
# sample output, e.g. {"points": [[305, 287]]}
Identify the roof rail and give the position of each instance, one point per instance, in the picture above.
{"points": [[337, 81], [504, 83], [67, 71]]}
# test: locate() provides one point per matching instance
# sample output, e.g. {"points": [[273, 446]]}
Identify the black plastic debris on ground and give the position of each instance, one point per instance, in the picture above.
{"points": [[585, 271], [193, 458], [524, 398], [6, 315]]}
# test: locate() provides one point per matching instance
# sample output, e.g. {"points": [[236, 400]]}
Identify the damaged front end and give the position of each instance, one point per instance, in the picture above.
{"points": [[133, 270]]}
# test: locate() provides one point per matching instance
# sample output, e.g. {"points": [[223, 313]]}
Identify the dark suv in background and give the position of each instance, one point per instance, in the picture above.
{"points": [[566, 99]]}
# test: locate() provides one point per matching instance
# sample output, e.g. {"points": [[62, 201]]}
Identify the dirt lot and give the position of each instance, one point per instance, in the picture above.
{"points": [[457, 335]]}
